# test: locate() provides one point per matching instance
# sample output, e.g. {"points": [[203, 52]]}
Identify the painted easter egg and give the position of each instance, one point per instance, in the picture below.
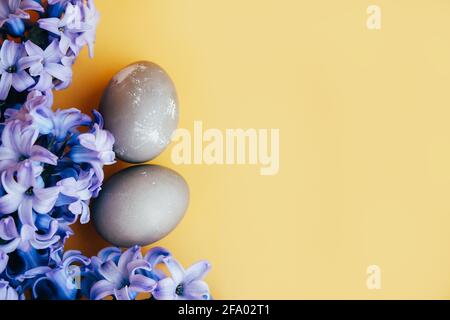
{"points": [[140, 205], [140, 108]]}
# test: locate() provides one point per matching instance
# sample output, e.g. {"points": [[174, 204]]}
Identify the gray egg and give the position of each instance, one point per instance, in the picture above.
{"points": [[140, 205], [140, 108]]}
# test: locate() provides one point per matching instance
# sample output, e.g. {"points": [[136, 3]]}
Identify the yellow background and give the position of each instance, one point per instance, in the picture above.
{"points": [[365, 139]]}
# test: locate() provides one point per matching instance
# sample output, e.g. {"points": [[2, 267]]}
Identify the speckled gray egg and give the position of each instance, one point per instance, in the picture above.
{"points": [[140, 205], [140, 108]]}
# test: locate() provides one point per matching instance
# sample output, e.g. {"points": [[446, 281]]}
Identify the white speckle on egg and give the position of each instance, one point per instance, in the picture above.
{"points": [[172, 109], [125, 73]]}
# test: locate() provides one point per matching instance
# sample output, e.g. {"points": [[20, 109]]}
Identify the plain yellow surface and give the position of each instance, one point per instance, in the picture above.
{"points": [[365, 139]]}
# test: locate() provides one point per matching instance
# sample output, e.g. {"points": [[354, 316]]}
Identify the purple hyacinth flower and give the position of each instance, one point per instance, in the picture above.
{"points": [[120, 277], [106, 254], [67, 28], [22, 262], [18, 144], [76, 194], [184, 284], [35, 113], [91, 18], [47, 65], [68, 258], [67, 120], [96, 149], [64, 2], [3, 261], [63, 281], [37, 238], [154, 257], [13, 63], [15, 9], [28, 238], [100, 144], [26, 193], [9, 235], [7, 292]]}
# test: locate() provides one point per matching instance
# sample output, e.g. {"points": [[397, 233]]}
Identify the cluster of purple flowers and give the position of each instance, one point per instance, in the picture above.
{"points": [[123, 276], [51, 165], [40, 42]]}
